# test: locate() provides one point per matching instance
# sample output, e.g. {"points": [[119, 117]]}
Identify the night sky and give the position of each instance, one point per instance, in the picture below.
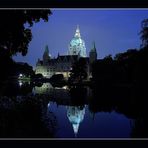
{"points": [[113, 31]]}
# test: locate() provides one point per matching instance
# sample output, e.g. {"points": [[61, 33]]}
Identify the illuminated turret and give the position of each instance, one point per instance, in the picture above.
{"points": [[46, 56], [93, 54]]}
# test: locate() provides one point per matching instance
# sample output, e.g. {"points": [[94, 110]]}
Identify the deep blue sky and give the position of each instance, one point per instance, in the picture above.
{"points": [[113, 31]]}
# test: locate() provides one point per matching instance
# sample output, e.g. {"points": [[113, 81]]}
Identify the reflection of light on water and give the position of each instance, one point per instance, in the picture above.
{"points": [[57, 88], [48, 104], [44, 89], [48, 107], [65, 87], [20, 75], [20, 83]]}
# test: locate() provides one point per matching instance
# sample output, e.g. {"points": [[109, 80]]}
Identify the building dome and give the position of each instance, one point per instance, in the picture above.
{"points": [[77, 45]]}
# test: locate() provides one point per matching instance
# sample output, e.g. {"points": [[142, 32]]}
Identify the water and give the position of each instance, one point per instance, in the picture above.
{"points": [[43, 111], [100, 125]]}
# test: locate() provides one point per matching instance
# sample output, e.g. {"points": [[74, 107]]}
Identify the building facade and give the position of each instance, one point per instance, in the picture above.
{"points": [[49, 66]]}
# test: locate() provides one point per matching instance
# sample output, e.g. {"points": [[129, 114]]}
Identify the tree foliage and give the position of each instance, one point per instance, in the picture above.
{"points": [[144, 33], [14, 35], [108, 57], [126, 55], [79, 70]]}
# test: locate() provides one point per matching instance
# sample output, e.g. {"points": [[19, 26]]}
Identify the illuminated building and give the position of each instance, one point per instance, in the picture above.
{"points": [[63, 63]]}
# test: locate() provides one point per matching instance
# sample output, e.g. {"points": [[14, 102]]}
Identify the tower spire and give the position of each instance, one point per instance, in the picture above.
{"points": [[94, 46], [93, 53], [78, 27], [46, 49], [77, 33]]}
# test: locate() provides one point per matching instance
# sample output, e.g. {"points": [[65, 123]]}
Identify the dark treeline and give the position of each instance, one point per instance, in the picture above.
{"points": [[129, 67], [13, 69]]}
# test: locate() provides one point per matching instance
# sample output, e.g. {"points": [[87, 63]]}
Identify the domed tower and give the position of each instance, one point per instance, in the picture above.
{"points": [[93, 54], [75, 116], [46, 56], [77, 45]]}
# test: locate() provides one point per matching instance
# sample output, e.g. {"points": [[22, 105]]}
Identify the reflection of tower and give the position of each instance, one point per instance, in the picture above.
{"points": [[77, 45], [75, 115], [92, 115]]}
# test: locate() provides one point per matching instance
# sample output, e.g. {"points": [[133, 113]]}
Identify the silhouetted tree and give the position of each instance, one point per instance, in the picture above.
{"points": [[23, 68], [108, 57], [126, 55], [79, 70], [144, 33], [14, 33]]}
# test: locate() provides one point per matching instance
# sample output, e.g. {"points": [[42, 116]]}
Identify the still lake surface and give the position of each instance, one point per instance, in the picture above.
{"points": [[44, 111]]}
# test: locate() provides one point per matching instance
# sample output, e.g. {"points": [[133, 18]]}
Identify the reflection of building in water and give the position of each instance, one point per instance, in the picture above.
{"points": [[48, 105], [44, 89], [55, 94], [75, 115], [21, 82], [92, 115]]}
